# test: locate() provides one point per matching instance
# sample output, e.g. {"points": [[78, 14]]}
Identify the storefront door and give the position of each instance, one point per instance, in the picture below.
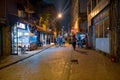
{"points": [[14, 40], [20, 39]]}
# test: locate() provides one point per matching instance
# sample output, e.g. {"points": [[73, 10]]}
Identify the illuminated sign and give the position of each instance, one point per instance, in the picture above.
{"points": [[21, 25]]}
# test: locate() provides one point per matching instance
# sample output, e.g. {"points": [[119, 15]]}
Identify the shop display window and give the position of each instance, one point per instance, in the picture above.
{"points": [[22, 38]]}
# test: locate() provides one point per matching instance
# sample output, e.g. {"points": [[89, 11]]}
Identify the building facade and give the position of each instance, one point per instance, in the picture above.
{"points": [[23, 27], [74, 26], [78, 23], [82, 16], [102, 26], [47, 25], [5, 29], [13, 22]]}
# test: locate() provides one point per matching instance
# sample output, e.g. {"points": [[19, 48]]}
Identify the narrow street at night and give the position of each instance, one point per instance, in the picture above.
{"points": [[63, 63], [38, 40]]}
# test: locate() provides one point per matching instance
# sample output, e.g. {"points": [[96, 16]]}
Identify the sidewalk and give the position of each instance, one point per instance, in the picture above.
{"points": [[89, 64], [12, 59]]}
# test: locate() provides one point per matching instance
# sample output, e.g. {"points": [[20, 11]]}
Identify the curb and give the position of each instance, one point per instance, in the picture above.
{"points": [[7, 65]]}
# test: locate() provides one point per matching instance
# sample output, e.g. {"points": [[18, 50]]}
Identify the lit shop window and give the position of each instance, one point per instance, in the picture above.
{"points": [[21, 25]]}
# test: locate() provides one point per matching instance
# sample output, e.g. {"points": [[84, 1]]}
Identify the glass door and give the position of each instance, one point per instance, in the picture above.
{"points": [[14, 35]]}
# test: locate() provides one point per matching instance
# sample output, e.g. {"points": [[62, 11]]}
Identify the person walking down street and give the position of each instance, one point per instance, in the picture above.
{"points": [[86, 41], [63, 41], [73, 42], [55, 41], [60, 40]]}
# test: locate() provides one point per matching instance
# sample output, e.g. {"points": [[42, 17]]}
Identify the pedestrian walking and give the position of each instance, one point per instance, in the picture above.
{"points": [[60, 40], [73, 42], [86, 41], [63, 40], [55, 41]]}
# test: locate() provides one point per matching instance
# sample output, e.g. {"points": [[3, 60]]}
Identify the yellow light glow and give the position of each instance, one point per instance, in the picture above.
{"points": [[59, 15]]}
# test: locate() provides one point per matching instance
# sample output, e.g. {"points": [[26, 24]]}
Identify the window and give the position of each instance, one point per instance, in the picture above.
{"points": [[106, 27], [101, 29], [102, 25], [97, 30]]}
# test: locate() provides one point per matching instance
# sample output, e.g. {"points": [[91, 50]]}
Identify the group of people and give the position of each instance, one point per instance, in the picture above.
{"points": [[80, 42], [60, 41]]}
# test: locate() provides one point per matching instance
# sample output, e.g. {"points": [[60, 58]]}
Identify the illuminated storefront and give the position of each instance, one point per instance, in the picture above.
{"points": [[22, 38]]}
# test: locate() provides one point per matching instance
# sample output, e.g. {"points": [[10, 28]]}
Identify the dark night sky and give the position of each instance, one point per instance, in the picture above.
{"points": [[64, 7]]}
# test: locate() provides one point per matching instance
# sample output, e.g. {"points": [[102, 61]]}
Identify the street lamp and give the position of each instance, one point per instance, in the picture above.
{"points": [[59, 15]]}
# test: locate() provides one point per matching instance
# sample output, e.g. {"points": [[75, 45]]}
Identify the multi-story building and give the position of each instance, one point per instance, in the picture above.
{"points": [[98, 24], [78, 17], [5, 29], [83, 16], [74, 27], [103, 25], [14, 25], [51, 28], [47, 24]]}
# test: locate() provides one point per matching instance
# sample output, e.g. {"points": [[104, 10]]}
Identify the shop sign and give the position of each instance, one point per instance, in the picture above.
{"points": [[21, 25]]}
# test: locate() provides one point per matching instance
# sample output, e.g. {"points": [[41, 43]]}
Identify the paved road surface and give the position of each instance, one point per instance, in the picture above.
{"points": [[63, 63]]}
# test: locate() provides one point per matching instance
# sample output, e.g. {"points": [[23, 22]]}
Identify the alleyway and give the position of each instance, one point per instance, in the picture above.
{"points": [[63, 63]]}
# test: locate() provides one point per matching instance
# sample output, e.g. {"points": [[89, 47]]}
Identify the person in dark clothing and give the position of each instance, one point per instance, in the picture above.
{"points": [[55, 41], [86, 41], [74, 42]]}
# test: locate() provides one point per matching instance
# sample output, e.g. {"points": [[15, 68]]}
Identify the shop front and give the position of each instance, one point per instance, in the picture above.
{"points": [[101, 26], [22, 39], [42, 38], [80, 36]]}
